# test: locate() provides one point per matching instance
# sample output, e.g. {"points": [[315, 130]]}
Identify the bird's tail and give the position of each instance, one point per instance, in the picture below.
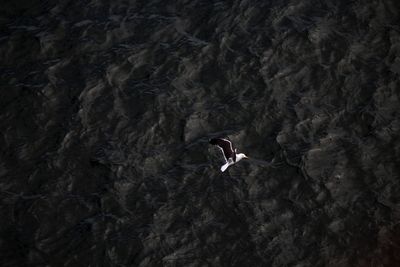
{"points": [[225, 166]]}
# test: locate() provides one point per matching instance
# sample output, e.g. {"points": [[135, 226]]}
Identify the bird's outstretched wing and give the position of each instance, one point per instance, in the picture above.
{"points": [[226, 147]]}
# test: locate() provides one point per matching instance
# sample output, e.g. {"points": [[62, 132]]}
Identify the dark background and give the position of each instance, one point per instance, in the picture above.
{"points": [[107, 108]]}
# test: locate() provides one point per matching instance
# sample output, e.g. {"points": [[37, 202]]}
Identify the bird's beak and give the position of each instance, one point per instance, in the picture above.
{"points": [[246, 157]]}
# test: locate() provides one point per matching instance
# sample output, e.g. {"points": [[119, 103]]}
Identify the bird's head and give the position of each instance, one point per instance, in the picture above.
{"points": [[243, 156]]}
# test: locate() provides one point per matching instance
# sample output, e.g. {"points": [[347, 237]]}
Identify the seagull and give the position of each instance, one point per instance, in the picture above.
{"points": [[230, 155]]}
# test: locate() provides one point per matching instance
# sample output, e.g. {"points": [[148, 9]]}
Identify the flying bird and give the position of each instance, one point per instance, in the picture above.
{"points": [[230, 155]]}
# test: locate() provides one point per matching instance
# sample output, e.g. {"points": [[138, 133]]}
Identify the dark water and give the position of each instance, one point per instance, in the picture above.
{"points": [[107, 107]]}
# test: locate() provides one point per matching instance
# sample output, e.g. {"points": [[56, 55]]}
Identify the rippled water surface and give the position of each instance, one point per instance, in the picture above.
{"points": [[107, 108]]}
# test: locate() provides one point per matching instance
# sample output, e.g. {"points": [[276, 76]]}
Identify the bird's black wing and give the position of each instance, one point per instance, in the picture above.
{"points": [[226, 146]]}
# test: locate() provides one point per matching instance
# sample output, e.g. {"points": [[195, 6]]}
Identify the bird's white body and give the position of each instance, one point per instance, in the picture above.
{"points": [[230, 161]]}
